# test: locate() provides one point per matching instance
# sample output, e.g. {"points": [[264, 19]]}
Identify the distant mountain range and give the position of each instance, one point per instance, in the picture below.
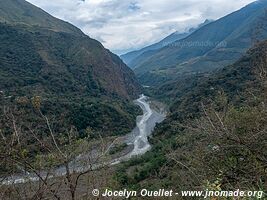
{"points": [[132, 58], [42, 55], [214, 45]]}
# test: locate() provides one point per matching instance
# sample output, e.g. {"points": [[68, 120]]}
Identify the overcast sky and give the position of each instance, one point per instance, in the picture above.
{"points": [[123, 25]]}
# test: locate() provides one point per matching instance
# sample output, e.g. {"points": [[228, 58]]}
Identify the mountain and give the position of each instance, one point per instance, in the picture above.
{"points": [[215, 134], [74, 74], [132, 58], [213, 46]]}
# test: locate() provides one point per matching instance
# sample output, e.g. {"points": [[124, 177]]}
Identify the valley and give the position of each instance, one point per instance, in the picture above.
{"points": [[187, 113]]}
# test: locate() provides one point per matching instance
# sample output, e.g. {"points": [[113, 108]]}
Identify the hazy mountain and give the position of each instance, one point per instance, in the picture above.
{"points": [[44, 56], [132, 58], [215, 45], [128, 58]]}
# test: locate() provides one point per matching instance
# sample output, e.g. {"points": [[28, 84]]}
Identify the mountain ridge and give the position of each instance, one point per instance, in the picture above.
{"points": [[131, 58], [189, 55]]}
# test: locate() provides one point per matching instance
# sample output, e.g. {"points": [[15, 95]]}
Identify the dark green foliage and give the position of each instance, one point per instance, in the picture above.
{"points": [[104, 117]]}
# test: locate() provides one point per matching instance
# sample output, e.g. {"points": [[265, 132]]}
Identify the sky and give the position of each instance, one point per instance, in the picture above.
{"points": [[126, 25]]}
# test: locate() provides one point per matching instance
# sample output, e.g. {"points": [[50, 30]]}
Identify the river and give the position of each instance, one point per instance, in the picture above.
{"points": [[144, 128], [138, 138]]}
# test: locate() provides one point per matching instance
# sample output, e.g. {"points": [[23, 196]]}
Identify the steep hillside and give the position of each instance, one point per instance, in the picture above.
{"points": [[133, 58], [43, 56], [213, 46], [215, 135]]}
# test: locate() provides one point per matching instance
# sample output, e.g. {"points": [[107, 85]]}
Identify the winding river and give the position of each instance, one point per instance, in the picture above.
{"points": [[138, 138], [144, 128]]}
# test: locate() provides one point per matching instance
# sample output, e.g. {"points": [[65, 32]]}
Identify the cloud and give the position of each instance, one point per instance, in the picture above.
{"points": [[131, 24]]}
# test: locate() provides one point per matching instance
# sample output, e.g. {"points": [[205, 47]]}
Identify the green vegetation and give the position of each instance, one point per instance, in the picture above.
{"points": [[110, 119], [215, 135]]}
